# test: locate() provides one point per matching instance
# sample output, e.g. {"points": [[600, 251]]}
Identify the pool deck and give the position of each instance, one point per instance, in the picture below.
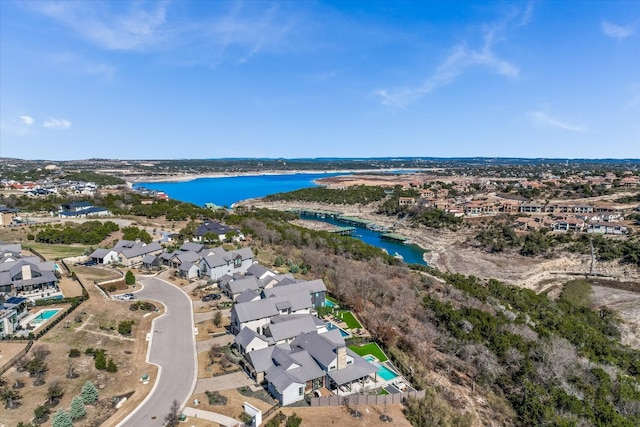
{"points": [[24, 323]]}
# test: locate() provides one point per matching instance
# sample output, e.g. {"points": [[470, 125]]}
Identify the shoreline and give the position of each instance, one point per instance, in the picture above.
{"points": [[193, 176]]}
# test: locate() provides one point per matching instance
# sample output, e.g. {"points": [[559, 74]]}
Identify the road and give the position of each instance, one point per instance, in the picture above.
{"points": [[172, 348]]}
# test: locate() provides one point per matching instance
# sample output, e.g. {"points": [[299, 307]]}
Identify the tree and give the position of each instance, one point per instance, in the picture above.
{"points": [[100, 360], [40, 413], [10, 397], [173, 417], [124, 327], [130, 278], [112, 366], [54, 392], [217, 319], [62, 419], [77, 409], [293, 421], [89, 392]]}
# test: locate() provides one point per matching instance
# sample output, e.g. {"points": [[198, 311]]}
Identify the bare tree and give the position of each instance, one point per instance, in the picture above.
{"points": [[173, 417]]}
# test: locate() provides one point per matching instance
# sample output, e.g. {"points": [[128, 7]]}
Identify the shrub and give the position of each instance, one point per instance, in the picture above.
{"points": [[74, 352], [124, 327], [89, 393], [41, 412], [112, 366], [293, 421], [62, 419], [100, 360], [130, 278], [77, 409]]}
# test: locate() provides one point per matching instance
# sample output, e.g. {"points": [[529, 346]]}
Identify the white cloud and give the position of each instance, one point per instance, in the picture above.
{"points": [[233, 31], [543, 119], [463, 58], [137, 27], [59, 124], [27, 120], [617, 31]]}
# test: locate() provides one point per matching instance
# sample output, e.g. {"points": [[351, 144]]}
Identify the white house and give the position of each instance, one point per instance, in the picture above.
{"points": [[217, 265]]}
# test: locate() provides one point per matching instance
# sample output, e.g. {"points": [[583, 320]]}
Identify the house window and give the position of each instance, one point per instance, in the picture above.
{"points": [[300, 391]]}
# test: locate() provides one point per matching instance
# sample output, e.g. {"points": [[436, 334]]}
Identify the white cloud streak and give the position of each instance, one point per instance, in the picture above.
{"points": [[463, 58], [27, 120], [617, 31], [235, 33], [137, 28], [543, 119], [58, 124]]}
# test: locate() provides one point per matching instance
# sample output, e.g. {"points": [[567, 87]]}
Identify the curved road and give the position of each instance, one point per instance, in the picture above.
{"points": [[173, 349]]}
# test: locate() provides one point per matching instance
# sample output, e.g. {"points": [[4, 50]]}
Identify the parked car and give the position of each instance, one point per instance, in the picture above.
{"points": [[126, 297], [210, 297]]}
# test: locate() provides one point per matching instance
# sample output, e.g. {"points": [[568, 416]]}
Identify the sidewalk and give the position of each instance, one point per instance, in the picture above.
{"points": [[223, 420]]}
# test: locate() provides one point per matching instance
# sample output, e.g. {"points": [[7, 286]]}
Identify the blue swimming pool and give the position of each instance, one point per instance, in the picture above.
{"points": [[331, 326], [44, 315], [383, 372], [328, 303]]}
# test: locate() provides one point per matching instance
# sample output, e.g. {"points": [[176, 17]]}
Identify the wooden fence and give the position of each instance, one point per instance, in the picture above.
{"points": [[365, 399], [15, 358]]}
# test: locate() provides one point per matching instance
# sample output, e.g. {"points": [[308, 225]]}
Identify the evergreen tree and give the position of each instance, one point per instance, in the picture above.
{"points": [[89, 392], [130, 278], [62, 419], [77, 409], [112, 366], [100, 360]]}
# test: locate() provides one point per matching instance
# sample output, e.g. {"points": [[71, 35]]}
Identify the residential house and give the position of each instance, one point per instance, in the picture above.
{"points": [[81, 210], [226, 262], [257, 314], [7, 215], [607, 228], [217, 230], [316, 289], [126, 252], [11, 311]]}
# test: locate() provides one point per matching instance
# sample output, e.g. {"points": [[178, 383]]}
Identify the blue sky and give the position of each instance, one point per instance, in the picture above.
{"points": [[213, 79]]}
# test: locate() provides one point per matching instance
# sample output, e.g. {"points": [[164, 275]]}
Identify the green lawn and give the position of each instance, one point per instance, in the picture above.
{"points": [[349, 319], [371, 348], [52, 252]]}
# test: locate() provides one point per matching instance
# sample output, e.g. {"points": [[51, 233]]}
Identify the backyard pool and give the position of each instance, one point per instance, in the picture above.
{"points": [[328, 303], [331, 326], [44, 315], [383, 372]]}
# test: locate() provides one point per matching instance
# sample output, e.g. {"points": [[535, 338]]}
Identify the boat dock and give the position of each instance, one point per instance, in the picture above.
{"points": [[395, 237], [316, 212], [344, 231], [354, 221]]}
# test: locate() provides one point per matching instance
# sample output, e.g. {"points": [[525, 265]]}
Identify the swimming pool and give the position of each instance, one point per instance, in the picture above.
{"points": [[44, 315], [383, 372], [332, 326], [328, 303]]}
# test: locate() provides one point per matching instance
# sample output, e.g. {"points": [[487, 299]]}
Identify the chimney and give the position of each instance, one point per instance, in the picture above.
{"points": [[342, 357], [26, 272]]}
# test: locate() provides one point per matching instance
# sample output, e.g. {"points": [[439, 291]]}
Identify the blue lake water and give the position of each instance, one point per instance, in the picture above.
{"points": [[229, 190], [412, 254]]}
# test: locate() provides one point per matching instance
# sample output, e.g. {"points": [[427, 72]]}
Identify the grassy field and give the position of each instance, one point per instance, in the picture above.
{"points": [[349, 319], [53, 252], [371, 348]]}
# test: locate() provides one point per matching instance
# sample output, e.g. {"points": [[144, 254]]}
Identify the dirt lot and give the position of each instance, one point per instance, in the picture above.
{"points": [[8, 350], [340, 416], [92, 325]]}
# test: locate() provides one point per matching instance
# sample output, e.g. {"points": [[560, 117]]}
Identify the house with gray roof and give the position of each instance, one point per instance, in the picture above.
{"points": [[22, 276], [316, 289], [309, 362], [233, 288], [126, 252], [257, 314], [228, 262], [260, 272]]}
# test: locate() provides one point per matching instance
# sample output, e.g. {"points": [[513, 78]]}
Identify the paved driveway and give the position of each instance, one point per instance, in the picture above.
{"points": [[173, 348]]}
